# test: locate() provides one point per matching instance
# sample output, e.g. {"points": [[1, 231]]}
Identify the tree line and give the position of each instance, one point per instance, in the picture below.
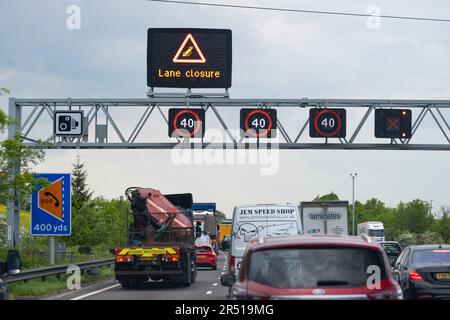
{"points": [[98, 221], [408, 223], [95, 220]]}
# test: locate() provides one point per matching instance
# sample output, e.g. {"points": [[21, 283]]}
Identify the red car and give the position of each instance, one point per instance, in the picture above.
{"points": [[314, 267], [206, 257]]}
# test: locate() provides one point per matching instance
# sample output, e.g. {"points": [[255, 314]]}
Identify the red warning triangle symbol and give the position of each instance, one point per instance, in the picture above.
{"points": [[50, 199], [189, 52]]}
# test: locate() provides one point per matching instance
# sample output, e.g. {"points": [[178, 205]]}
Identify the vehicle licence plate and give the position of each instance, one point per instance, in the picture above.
{"points": [[201, 257], [443, 276], [147, 258]]}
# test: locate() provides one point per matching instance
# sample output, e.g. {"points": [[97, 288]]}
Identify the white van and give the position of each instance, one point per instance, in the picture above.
{"points": [[251, 222]]}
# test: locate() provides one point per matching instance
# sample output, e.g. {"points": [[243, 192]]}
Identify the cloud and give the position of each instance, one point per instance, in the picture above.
{"points": [[275, 55]]}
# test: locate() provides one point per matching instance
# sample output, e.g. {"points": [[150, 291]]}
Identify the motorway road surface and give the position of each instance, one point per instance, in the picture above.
{"points": [[206, 287]]}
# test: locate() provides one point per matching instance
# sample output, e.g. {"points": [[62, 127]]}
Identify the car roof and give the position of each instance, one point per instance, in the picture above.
{"points": [[429, 246], [371, 222], [203, 245], [287, 204], [311, 240]]}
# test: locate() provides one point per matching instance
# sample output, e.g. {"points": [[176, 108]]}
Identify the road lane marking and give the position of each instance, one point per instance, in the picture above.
{"points": [[94, 292], [208, 292], [214, 284]]}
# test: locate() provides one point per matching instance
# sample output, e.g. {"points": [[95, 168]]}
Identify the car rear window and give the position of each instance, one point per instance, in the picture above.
{"points": [[432, 256], [314, 267], [391, 248], [204, 249]]}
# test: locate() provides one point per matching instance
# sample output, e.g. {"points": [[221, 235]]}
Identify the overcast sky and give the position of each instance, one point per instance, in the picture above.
{"points": [[275, 55]]}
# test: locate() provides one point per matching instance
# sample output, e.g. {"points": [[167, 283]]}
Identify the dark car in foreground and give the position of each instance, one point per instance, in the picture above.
{"points": [[423, 272], [12, 266], [314, 267]]}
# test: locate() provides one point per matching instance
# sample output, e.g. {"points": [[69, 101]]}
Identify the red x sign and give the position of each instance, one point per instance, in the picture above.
{"points": [[393, 124]]}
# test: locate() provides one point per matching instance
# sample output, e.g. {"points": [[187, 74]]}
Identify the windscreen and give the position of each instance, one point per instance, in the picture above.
{"points": [[376, 233], [314, 267], [204, 249], [391, 248], [432, 256]]}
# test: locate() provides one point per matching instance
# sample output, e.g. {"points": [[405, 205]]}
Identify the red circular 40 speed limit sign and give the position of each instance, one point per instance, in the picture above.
{"points": [[327, 123], [258, 123], [186, 123]]}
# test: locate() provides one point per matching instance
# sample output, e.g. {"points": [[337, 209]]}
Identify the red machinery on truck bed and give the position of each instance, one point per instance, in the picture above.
{"points": [[161, 242]]}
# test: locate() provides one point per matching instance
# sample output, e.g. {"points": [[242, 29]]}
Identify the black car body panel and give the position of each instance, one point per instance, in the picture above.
{"points": [[431, 280]]}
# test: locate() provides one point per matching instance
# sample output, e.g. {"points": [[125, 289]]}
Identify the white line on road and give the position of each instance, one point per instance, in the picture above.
{"points": [[94, 292], [214, 284], [208, 292]]}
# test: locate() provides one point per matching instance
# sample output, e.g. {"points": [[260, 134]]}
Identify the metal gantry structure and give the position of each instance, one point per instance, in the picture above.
{"points": [[38, 113], [42, 112]]}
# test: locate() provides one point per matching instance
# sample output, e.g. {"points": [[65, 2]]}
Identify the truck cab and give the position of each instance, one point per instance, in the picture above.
{"points": [[160, 240], [374, 230], [206, 222]]}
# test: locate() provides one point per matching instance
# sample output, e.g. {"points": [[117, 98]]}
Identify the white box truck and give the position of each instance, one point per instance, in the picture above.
{"points": [[324, 217]]}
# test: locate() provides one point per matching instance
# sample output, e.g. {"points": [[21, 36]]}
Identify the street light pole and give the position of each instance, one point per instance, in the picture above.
{"points": [[353, 177]]}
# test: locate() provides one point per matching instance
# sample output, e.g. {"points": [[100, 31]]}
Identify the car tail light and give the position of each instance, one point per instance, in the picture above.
{"points": [[414, 276], [392, 293], [173, 259], [232, 264], [123, 259]]}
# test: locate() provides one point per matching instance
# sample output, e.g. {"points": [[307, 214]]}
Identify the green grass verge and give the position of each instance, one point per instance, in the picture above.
{"points": [[30, 261], [36, 288]]}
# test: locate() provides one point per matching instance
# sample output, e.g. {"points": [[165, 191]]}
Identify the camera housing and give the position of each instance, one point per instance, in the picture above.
{"points": [[68, 123]]}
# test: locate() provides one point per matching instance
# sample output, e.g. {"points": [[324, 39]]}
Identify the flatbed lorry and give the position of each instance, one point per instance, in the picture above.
{"points": [[161, 240]]}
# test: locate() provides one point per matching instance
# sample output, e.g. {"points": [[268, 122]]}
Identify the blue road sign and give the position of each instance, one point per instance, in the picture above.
{"points": [[51, 206]]}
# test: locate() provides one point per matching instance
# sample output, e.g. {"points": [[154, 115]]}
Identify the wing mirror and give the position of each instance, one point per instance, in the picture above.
{"points": [[13, 263], [227, 280]]}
